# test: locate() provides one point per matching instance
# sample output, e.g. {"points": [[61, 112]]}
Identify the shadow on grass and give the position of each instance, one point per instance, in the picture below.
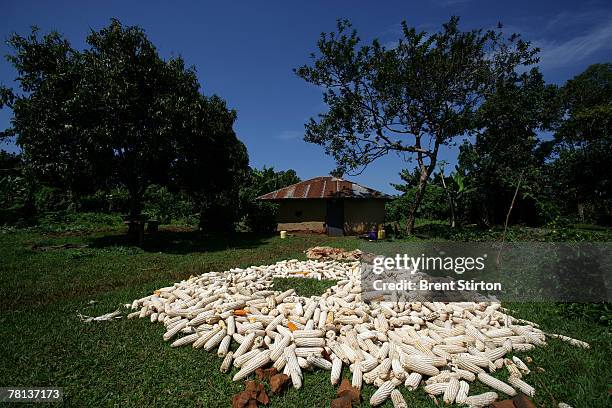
{"points": [[183, 242]]}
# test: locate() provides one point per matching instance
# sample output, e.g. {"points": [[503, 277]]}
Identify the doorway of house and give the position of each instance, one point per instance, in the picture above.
{"points": [[335, 218]]}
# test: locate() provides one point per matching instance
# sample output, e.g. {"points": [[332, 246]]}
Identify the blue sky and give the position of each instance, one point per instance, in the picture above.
{"points": [[245, 51]]}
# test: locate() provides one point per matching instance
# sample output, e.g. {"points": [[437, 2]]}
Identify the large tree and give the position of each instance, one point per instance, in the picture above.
{"points": [[410, 99], [582, 170], [117, 113], [507, 149]]}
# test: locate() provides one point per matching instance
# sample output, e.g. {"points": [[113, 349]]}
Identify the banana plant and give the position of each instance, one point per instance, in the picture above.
{"points": [[454, 186]]}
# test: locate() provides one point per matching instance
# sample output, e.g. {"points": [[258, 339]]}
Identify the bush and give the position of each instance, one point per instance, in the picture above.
{"points": [[434, 205], [16, 200], [118, 200], [51, 200], [77, 221], [261, 217], [165, 206], [96, 202]]}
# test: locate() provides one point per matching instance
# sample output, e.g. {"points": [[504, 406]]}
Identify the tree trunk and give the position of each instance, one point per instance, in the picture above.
{"points": [[417, 200], [451, 201], [581, 211], [135, 219], [425, 173]]}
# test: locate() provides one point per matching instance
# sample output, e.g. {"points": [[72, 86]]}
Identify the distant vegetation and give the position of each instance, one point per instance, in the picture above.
{"points": [[116, 131], [430, 89]]}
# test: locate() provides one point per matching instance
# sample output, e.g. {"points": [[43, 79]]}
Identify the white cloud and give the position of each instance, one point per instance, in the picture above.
{"points": [[290, 134], [555, 54]]}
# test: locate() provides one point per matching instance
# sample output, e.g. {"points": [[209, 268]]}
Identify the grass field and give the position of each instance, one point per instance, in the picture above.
{"points": [[126, 363]]}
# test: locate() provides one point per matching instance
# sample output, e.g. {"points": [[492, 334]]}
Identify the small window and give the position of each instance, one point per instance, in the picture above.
{"points": [[298, 214]]}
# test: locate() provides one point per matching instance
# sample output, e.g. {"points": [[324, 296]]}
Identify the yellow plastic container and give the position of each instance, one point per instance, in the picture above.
{"points": [[283, 234]]}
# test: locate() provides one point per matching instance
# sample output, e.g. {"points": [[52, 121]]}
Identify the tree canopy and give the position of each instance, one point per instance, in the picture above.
{"points": [[582, 170], [409, 99], [116, 113], [507, 147]]}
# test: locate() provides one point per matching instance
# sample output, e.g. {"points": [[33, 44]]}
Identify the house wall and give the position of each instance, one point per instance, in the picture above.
{"points": [[360, 215], [301, 215], [363, 215]]}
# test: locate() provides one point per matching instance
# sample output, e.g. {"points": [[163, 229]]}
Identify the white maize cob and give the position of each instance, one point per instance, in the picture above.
{"points": [[174, 331], [481, 400], [451, 391], [521, 365], [224, 346], [186, 340], [309, 342], [231, 325], [293, 367], [413, 381], [570, 340], [497, 384], [243, 358], [308, 333], [319, 362], [204, 337], [249, 367], [512, 368], [336, 370], [522, 386], [382, 393], [398, 399], [215, 340], [227, 362], [357, 379], [420, 367], [280, 347], [436, 388], [462, 393], [246, 344]]}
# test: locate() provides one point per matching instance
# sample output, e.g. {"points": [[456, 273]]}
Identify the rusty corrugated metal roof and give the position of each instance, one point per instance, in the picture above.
{"points": [[323, 187]]}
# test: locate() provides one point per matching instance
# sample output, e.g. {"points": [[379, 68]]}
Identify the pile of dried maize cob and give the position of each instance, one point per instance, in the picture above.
{"points": [[440, 346]]}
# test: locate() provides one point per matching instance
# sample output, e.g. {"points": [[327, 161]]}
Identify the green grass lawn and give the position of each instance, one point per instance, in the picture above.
{"points": [[126, 363]]}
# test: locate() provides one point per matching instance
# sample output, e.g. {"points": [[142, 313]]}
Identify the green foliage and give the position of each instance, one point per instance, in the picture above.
{"points": [[433, 206], [16, 200], [51, 200], [60, 222], [581, 173], [97, 201], [117, 114], [410, 99], [260, 216], [165, 206], [118, 200], [507, 152], [15, 190]]}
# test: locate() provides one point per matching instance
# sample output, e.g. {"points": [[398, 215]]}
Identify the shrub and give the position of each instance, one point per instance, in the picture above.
{"points": [[51, 200], [434, 205]]}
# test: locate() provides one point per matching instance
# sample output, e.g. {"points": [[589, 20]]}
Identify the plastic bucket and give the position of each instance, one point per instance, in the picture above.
{"points": [[283, 234]]}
